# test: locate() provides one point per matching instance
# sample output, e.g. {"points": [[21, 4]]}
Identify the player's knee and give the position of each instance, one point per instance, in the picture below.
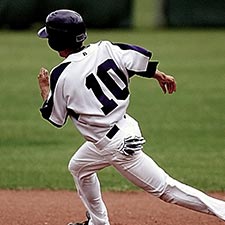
{"points": [[164, 189], [170, 191], [73, 167]]}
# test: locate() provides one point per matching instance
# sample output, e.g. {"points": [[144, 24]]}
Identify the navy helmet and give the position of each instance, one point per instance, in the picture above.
{"points": [[64, 29]]}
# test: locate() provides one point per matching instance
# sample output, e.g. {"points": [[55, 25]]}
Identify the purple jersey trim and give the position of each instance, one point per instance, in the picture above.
{"points": [[135, 48], [150, 71]]}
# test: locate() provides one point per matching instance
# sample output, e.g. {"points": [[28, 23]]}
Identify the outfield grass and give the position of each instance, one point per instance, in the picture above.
{"points": [[184, 132]]}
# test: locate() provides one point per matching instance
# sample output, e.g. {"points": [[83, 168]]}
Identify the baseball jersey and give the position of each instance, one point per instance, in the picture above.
{"points": [[92, 86]]}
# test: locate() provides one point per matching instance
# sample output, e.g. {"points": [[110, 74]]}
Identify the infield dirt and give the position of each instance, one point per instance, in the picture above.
{"points": [[45, 207]]}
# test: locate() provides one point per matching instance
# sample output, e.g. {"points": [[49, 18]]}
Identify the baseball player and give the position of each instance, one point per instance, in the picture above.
{"points": [[91, 86]]}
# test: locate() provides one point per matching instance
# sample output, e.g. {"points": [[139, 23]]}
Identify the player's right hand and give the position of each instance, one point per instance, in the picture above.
{"points": [[166, 82]]}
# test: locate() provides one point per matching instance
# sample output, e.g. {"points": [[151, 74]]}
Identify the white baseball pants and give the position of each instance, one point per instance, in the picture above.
{"points": [[140, 169]]}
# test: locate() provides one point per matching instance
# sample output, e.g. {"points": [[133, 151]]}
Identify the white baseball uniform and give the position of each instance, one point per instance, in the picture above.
{"points": [[92, 88]]}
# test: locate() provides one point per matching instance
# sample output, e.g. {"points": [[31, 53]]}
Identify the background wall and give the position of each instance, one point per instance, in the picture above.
{"points": [[98, 13], [194, 13], [22, 14]]}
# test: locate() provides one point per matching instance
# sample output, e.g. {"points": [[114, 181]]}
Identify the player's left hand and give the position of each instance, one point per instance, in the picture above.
{"points": [[166, 82], [43, 80]]}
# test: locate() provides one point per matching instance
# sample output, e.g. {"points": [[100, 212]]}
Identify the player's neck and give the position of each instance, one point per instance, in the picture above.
{"points": [[65, 53]]}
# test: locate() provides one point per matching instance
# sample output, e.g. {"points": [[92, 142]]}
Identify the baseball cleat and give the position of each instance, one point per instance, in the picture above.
{"points": [[82, 223]]}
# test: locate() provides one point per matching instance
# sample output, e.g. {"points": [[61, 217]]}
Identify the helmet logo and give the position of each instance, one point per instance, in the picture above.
{"points": [[81, 37]]}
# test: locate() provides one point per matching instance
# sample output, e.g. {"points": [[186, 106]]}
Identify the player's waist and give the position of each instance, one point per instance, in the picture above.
{"points": [[127, 126], [108, 137]]}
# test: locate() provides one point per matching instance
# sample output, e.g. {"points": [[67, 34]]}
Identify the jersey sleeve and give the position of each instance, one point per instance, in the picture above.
{"points": [[54, 108], [137, 60]]}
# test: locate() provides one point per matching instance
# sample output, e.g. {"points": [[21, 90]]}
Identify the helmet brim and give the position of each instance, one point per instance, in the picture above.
{"points": [[42, 33]]}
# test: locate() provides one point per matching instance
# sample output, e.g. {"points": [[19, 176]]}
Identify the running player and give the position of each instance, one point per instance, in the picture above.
{"points": [[91, 86]]}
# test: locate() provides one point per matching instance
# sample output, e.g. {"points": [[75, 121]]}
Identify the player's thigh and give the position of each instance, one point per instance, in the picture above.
{"points": [[87, 160], [142, 171]]}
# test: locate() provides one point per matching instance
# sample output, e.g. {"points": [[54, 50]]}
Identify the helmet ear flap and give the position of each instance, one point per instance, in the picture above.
{"points": [[56, 44], [59, 43]]}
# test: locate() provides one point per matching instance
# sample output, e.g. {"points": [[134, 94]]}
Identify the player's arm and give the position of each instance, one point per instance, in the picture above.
{"points": [[166, 82], [47, 107], [137, 60]]}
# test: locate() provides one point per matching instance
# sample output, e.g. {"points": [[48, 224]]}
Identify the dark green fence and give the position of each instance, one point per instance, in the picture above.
{"points": [[97, 13], [194, 12]]}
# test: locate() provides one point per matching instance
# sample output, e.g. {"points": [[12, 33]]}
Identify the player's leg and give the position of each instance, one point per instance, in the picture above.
{"points": [[82, 166], [189, 197], [145, 173]]}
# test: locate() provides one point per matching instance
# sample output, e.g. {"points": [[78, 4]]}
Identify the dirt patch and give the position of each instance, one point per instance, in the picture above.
{"points": [[127, 208]]}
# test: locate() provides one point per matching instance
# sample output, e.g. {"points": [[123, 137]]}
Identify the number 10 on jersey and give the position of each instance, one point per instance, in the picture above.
{"points": [[102, 72]]}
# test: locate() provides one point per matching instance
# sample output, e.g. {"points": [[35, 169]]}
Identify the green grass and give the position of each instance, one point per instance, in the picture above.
{"points": [[184, 132]]}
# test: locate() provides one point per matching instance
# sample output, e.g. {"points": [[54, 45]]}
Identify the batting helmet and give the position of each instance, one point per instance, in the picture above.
{"points": [[64, 29]]}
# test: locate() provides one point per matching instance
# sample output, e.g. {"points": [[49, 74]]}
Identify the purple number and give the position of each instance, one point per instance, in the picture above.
{"points": [[102, 72]]}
